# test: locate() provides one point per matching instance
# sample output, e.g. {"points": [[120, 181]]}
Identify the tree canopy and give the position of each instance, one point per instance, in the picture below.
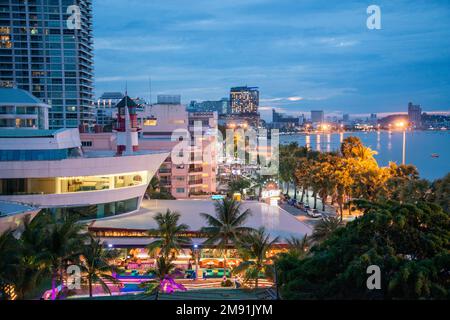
{"points": [[409, 242]]}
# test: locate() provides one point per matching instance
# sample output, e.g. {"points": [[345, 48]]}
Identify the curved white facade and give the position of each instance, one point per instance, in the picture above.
{"points": [[147, 163], [49, 169]]}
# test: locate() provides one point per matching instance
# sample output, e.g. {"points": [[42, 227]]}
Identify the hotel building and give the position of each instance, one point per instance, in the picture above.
{"points": [[20, 109], [317, 116], [46, 49], [244, 99], [414, 115], [164, 126]]}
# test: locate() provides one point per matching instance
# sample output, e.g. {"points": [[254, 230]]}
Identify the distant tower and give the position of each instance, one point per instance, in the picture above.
{"points": [[415, 115], [127, 127], [244, 99]]}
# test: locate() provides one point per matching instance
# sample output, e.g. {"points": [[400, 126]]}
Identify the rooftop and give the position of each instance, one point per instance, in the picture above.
{"points": [[11, 208], [112, 95], [278, 222], [10, 96], [112, 153], [27, 133]]}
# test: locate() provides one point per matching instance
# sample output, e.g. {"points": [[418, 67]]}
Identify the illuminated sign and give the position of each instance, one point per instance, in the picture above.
{"points": [[270, 194]]}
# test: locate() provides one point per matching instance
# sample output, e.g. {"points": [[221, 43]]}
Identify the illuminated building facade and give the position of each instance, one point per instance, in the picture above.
{"points": [[19, 109], [244, 99], [317, 116], [414, 115], [158, 122], [43, 53], [50, 169]]}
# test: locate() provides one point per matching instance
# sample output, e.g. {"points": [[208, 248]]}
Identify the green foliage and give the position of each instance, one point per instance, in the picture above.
{"points": [[238, 185], [226, 227], [325, 228], [161, 195], [96, 266], [169, 234], [46, 246], [408, 242], [441, 192], [227, 283], [253, 247]]}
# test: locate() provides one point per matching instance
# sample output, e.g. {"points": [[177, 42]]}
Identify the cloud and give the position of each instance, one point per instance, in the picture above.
{"points": [[302, 54], [135, 44]]}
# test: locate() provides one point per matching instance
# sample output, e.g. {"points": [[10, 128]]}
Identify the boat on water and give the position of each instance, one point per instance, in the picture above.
{"points": [[435, 155]]}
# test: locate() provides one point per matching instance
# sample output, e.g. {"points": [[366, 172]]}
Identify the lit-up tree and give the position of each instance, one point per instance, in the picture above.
{"points": [[226, 226], [169, 234], [253, 247]]}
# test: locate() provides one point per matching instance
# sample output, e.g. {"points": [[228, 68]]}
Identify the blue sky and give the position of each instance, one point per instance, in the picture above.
{"points": [[303, 54]]}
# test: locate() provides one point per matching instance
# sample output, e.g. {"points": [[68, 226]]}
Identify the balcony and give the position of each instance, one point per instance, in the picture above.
{"points": [[165, 183], [195, 182], [193, 169]]}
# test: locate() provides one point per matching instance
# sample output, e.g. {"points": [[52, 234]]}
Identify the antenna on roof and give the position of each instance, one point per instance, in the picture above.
{"points": [[150, 89]]}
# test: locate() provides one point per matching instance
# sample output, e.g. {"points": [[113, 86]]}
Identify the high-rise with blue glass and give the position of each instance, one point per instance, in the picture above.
{"points": [[46, 49]]}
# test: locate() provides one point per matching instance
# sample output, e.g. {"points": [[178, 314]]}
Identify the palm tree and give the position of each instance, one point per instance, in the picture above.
{"points": [[153, 185], [8, 258], [170, 241], [31, 265], [95, 263], [163, 269], [28, 274], [226, 226], [298, 247], [254, 245], [63, 243], [259, 182], [325, 228]]}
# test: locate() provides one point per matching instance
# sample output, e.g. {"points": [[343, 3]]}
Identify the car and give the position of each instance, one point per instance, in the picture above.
{"points": [[299, 205], [314, 213]]}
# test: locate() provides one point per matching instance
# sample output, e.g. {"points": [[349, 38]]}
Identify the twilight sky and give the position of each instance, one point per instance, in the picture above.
{"points": [[302, 54]]}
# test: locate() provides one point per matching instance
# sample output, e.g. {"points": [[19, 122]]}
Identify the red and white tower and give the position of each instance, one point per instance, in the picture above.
{"points": [[127, 127]]}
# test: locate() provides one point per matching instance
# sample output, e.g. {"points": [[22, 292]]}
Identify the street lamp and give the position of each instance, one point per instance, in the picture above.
{"points": [[196, 260], [402, 126]]}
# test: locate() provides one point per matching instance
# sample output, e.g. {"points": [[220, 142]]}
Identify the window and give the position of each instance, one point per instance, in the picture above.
{"points": [[180, 190], [150, 122], [86, 143], [96, 211]]}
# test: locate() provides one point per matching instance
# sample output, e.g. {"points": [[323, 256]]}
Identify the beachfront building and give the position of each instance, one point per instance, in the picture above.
{"points": [[130, 234], [283, 121], [221, 106], [20, 109], [164, 126], [317, 116], [50, 169]]}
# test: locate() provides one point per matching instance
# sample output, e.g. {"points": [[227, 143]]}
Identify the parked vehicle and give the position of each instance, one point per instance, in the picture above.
{"points": [[300, 205], [314, 213]]}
